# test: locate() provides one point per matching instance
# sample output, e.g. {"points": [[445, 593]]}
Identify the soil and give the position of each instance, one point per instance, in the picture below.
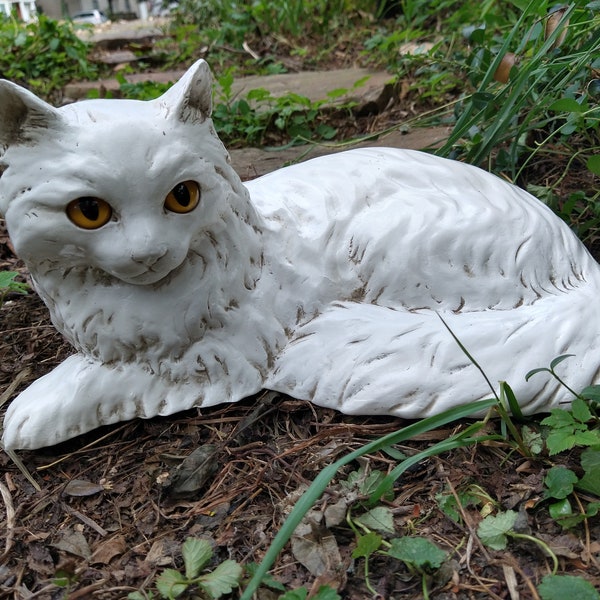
{"points": [[112, 512]]}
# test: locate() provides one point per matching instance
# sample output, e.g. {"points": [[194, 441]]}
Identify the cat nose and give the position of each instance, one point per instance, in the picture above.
{"points": [[149, 256]]}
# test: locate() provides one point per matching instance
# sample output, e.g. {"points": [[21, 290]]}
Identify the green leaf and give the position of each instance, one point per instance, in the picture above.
{"points": [[417, 551], [379, 518], [366, 545], [370, 483], [559, 359], [267, 580], [337, 93], [196, 554], [535, 371], [590, 459], [8, 283], [590, 463], [171, 583], [326, 593], [560, 440], [481, 99], [593, 164], [447, 504], [299, 594], [566, 105], [513, 404], [222, 580], [559, 587], [580, 410], [360, 82], [560, 482], [559, 418], [493, 529], [559, 510], [591, 392], [6, 278]]}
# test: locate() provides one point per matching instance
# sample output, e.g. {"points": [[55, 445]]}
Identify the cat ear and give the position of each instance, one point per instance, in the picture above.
{"points": [[191, 97], [22, 113]]}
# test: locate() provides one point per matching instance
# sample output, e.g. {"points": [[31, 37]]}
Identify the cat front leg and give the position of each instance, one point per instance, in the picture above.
{"points": [[80, 395]]}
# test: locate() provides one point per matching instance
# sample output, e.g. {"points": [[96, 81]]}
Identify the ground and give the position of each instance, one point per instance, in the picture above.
{"points": [[113, 512]]}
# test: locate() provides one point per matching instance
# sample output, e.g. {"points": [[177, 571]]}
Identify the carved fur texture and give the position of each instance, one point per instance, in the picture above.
{"points": [[324, 280]]}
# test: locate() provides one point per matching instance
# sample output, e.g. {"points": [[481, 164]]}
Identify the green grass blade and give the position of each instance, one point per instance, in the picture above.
{"points": [[323, 479], [457, 441]]}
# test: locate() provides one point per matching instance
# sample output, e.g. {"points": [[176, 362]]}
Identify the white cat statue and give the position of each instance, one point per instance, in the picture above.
{"points": [[181, 287]]}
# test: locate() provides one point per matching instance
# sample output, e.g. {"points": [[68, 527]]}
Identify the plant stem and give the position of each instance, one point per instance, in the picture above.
{"points": [[541, 544]]}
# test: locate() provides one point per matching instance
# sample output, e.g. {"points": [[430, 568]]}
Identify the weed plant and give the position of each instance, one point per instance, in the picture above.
{"points": [[230, 21], [10, 285], [43, 55]]}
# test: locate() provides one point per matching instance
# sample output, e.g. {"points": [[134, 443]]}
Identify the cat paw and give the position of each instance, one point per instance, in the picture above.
{"points": [[78, 396]]}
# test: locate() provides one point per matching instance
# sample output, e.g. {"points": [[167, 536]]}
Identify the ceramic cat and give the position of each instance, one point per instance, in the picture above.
{"points": [[181, 287]]}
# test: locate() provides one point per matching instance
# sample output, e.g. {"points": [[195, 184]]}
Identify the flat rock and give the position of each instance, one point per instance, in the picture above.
{"points": [[314, 85], [254, 162]]}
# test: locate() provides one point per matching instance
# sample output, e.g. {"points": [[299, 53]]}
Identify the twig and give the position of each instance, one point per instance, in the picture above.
{"points": [[10, 520], [8, 392], [85, 519]]}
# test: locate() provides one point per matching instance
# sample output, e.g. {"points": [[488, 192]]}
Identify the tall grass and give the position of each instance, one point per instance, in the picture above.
{"points": [[548, 103]]}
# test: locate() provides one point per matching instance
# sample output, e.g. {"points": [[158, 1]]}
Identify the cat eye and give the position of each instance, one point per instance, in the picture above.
{"points": [[183, 198], [89, 212]]}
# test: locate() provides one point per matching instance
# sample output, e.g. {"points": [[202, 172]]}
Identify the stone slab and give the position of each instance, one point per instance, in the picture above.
{"points": [[314, 85], [254, 162]]}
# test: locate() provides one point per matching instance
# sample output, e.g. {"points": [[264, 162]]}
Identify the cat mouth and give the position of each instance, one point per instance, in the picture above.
{"points": [[152, 277]]}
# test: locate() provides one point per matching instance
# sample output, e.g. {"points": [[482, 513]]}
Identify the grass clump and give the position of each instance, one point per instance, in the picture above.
{"points": [[534, 92]]}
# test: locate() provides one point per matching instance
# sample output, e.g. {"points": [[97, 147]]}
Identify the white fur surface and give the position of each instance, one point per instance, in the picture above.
{"points": [[324, 280]]}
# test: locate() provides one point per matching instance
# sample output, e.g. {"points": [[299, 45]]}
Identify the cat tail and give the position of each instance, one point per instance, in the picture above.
{"points": [[369, 359]]}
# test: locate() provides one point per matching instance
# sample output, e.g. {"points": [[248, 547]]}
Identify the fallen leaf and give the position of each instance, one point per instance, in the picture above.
{"points": [[80, 487], [194, 472], [40, 560], [316, 548], [566, 544], [162, 551], [74, 542], [336, 513], [108, 549]]}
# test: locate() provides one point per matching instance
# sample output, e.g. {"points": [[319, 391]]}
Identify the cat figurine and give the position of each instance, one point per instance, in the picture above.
{"points": [[179, 286]]}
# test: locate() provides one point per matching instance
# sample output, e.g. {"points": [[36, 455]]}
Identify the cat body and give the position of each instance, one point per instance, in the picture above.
{"points": [[324, 280]]}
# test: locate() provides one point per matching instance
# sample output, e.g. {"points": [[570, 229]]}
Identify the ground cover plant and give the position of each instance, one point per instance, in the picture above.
{"points": [[275, 498], [43, 55]]}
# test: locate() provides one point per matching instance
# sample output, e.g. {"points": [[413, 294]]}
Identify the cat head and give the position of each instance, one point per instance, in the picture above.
{"points": [[122, 186]]}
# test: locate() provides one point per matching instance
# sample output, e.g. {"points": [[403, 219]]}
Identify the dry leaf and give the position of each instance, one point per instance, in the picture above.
{"points": [[80, 487], [502, 73], [74, 542], [552, 22], [40, 560], [315, 546], [108, 549], [194, 472]]}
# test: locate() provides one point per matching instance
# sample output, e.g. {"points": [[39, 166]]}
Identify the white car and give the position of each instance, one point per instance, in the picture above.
{"points": [[96, 17]]}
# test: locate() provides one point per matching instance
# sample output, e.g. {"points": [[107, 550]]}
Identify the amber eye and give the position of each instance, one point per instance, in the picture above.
{"points": [[183, 198], [89, 213]]}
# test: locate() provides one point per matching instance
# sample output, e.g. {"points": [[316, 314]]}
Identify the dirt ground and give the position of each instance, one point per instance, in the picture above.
{"points": [[111, 514]]}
